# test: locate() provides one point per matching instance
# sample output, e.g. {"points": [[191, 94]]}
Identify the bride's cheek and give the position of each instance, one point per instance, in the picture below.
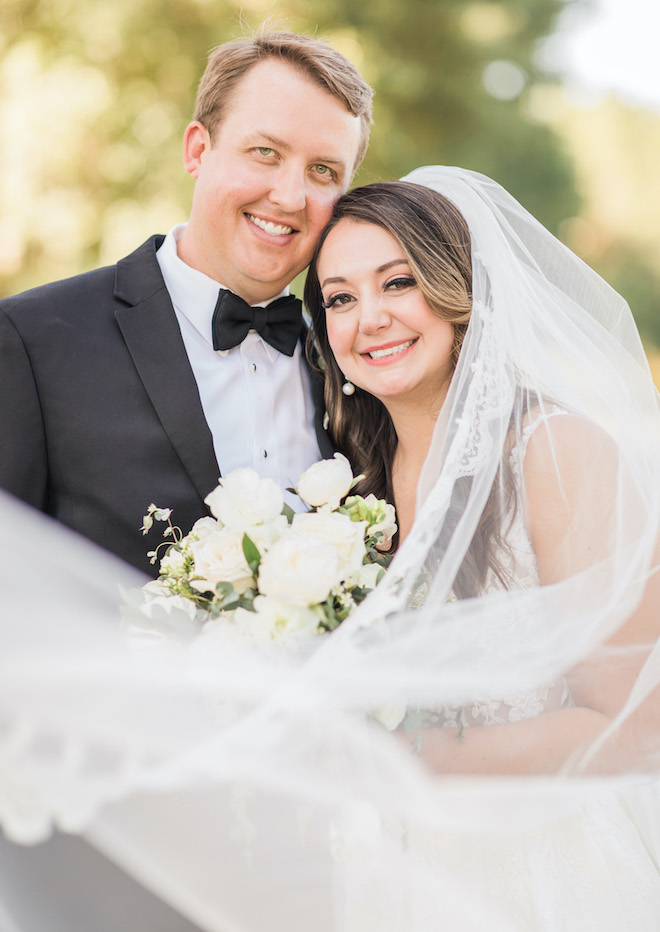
{"points": [[339, 340]]}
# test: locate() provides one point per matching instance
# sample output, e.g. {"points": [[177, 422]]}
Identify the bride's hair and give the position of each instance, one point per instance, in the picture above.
{"points": [[435, 239], [436, 242]]}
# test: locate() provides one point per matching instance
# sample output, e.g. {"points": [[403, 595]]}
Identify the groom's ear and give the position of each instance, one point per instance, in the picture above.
{"points": [[196, 140]]}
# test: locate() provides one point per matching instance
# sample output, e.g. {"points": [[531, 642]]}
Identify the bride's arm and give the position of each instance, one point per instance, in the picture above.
{"points": [[579, 525], [573, 526]]}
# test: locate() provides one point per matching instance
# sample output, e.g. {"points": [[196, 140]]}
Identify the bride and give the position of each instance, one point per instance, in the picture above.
{"points": [[477, 745], [477, 372]]}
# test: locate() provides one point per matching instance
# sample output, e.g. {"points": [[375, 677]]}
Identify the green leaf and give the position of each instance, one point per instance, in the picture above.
{"points": [[252, 554], [224, 595], [360, 593], [355, 481], [288, 512]]}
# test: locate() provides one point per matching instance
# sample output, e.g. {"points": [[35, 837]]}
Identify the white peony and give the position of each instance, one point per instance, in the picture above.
{"points": [[326, 482], [273, 620], [220, 558], [345, 536], [299, 570], [243, 499]]}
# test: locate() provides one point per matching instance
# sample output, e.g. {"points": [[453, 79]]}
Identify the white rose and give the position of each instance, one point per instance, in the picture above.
{"points": [[299, 571], [326, 482], [345, 536], [243, 499], [154, 588], [173, 563], [273, 620], [203, 527], [263, 536], [367, 575], [390, 715], [385, 521], [220, 558], [170, 603]]}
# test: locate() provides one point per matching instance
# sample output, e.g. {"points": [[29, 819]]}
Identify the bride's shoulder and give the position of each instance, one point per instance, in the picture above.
{"points": [[569, 476], [554, 439]]}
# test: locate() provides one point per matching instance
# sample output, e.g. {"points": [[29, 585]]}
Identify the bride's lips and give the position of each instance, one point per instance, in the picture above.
{"points": [[270, 231], [386, 353]]}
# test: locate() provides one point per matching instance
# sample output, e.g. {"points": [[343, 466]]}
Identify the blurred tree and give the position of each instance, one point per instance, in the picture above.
{"points": [[638, 281], [614, 149], [451, 81], [94, 97]]}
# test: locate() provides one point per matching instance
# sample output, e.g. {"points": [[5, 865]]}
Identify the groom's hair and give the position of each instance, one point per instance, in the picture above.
{"points": [[329, 69]]}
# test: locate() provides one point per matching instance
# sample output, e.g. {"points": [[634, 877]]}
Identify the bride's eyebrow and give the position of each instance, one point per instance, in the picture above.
{"points": [[389, 265], [332, 281], [379, 270]]}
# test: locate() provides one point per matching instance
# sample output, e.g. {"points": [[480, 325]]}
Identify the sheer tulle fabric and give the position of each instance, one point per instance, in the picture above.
{"points": [[255, 788]]}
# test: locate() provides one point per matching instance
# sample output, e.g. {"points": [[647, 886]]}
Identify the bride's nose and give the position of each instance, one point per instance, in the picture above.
{"points": [[374, 316]]}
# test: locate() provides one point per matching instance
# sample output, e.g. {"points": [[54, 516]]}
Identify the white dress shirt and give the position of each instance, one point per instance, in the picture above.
{"points": [[256, 401]]}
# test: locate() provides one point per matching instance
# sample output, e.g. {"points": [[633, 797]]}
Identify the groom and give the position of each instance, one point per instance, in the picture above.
{"points": [[145, 381], [124, 386]]}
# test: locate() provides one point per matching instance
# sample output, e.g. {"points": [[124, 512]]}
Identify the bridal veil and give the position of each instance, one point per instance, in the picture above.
{"points": [[300, 786]]}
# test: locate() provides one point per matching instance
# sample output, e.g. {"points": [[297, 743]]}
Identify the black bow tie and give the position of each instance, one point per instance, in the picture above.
{"points": [[280, 323]]}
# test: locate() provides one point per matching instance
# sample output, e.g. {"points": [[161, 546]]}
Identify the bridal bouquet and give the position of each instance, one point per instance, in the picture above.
{"points": [[262, 570]]}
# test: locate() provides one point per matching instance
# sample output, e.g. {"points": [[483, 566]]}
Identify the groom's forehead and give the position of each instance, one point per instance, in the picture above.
{"points": [[270, 79], [276, 102]]}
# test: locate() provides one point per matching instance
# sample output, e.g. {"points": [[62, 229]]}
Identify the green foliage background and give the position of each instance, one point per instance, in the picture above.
{"points": [[95, 94]]}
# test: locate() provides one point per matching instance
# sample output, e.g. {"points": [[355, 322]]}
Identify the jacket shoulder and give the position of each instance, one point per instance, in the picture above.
{"points": [[95, 285]]}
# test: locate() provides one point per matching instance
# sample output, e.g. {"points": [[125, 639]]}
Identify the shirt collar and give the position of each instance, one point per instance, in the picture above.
{"points": [[194, 294]]}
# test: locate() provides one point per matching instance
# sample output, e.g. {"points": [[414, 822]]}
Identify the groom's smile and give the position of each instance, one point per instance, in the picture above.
{"points": [[266, 182], [273, 229]]}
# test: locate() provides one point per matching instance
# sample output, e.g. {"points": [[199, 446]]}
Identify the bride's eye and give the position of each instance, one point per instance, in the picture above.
{"points": [[398, 284], [338, 300]]}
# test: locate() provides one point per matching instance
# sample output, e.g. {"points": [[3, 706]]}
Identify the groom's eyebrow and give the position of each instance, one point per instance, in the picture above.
{"points": [[285, 147], [381, 268]]}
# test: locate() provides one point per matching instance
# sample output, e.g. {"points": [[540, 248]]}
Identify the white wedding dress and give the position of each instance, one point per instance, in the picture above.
{"points": [[589, 864]]}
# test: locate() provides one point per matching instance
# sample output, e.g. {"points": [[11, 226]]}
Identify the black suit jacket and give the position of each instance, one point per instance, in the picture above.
{"points": [[99, 409]]}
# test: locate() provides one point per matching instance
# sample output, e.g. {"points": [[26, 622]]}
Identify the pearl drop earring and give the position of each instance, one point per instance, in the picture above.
{"points": [[348, 388]]}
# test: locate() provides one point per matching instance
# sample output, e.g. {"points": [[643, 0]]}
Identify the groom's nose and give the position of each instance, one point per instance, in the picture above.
{"points": [[288, 189]]}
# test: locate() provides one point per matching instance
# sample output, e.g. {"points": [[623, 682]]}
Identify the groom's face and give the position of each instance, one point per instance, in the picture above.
{"points": [[265, 186]]}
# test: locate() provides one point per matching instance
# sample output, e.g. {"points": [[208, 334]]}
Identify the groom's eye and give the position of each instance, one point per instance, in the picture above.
{"points": [[337, 300], [324, 171], [265, 150]]}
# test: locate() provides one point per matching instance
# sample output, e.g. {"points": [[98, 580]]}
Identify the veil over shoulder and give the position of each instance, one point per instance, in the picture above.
{"points": [[477, 745]]}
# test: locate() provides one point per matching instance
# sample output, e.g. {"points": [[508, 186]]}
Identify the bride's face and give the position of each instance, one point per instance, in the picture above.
{"points": [[384, 336]]}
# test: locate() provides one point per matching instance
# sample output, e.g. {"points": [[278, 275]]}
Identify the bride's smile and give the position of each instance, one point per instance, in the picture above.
{"points": [[383, 355], [385, 337]]}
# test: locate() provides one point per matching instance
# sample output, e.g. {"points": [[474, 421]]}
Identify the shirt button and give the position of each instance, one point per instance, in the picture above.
{"points": [[264, 453], [254, 367]]}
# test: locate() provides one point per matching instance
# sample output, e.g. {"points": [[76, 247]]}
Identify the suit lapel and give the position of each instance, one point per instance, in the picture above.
{"points": [[151, 332]]}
